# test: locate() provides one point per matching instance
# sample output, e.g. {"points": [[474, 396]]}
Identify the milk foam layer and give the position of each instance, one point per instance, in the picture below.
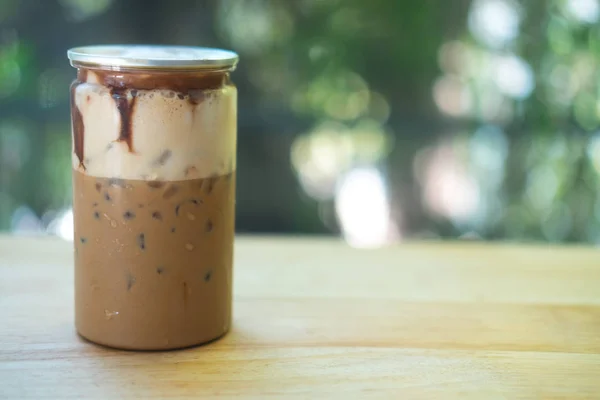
{"points": [[173, 138]]}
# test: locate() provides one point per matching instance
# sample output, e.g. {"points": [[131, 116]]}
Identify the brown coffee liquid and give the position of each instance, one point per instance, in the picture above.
{"points": [[153, 260]]}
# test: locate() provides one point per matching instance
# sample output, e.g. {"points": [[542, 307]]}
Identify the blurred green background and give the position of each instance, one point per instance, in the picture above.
{"points": [[376, 120]]}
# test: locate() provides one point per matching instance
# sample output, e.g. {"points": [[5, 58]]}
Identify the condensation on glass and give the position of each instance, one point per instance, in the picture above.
{"points": [[154, 144]]}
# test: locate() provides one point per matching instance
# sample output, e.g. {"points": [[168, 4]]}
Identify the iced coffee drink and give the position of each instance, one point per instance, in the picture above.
{"points": [[154, 141]]}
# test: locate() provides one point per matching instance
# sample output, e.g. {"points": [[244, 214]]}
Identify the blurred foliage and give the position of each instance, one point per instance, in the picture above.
{"points": [[481, 116]]}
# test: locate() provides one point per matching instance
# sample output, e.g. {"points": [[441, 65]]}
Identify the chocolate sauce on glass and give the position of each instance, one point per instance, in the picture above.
{"points": [[123, 84], [126, 107], [77, 126]]}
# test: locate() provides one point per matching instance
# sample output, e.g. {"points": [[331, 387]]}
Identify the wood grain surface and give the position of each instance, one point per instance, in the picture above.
{"points": [[316, 319]]}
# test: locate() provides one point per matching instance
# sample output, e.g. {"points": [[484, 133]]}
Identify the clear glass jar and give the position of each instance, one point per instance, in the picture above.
{"points": [[154, 147]]}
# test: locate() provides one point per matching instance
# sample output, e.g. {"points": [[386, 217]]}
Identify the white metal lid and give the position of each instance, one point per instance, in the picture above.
{"points": [[152, 57]]}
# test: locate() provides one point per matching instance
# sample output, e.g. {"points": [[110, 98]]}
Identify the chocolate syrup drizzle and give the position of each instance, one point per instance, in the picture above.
{"points": [[125, 107], [190, 85], [77, 126]]}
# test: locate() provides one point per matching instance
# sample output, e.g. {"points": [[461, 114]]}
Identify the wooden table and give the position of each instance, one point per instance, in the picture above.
{"points": [[318, 320]]}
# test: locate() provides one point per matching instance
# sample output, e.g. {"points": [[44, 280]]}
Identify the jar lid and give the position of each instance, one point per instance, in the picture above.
{"points": [[152, 57]]}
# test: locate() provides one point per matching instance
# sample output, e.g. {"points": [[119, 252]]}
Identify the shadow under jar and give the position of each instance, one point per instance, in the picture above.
{"points": [[154, 144]]}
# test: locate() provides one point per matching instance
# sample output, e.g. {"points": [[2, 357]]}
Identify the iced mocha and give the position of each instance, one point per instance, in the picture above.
{"points": [[154, 194]]}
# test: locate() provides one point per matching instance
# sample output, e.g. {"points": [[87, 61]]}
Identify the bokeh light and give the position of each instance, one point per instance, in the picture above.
{"points": [[452, 96], [513, 76], [449, 190], [494, 22], [363, 209], [81, 10], [585, 11], [62, 225], [253, 27]]}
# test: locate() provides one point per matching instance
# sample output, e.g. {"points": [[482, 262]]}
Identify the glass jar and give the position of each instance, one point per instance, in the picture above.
{"points": [[154, 160]]}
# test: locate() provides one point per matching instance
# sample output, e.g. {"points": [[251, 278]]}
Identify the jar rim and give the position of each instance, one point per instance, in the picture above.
{"points": [[153, 57]]}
